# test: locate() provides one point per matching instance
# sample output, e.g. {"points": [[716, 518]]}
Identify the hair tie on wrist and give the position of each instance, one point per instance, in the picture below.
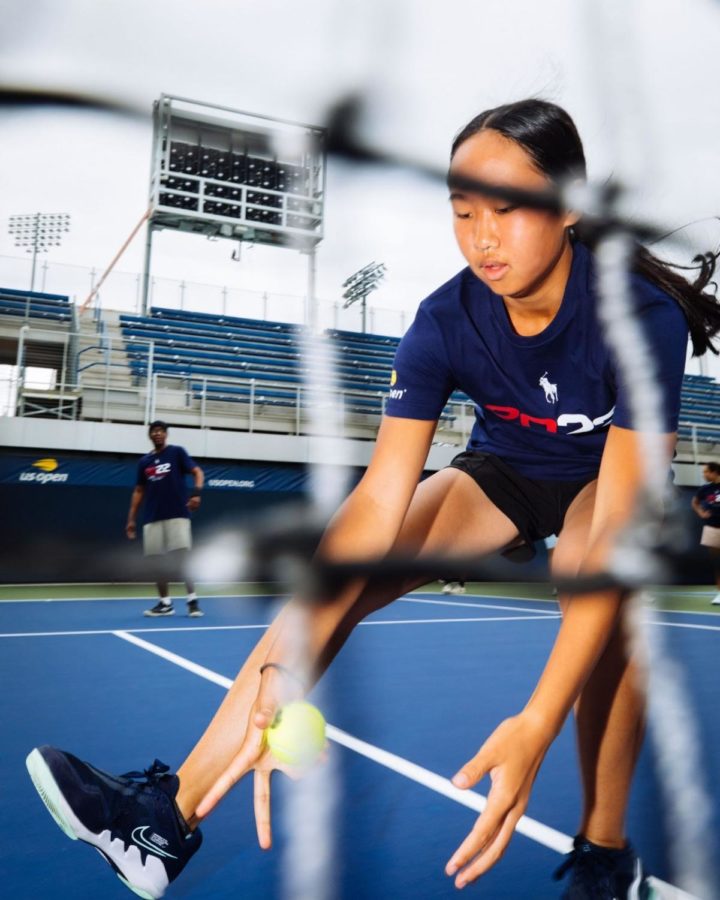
{"points": [[284, 670]]}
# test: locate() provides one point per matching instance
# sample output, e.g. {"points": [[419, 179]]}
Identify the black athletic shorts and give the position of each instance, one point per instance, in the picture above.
{"points": [[536, 508]]}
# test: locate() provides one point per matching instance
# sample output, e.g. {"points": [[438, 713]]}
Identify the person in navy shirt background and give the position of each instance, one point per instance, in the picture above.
{"points": [[161, 484], [553, 451], [706, 504]]}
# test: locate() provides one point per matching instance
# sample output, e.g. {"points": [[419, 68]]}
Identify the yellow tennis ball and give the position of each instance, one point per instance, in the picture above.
{"points": [[297, 734]]}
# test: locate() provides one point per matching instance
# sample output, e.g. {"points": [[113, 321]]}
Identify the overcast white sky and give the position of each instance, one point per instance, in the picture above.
{"points": [[639, 76]]}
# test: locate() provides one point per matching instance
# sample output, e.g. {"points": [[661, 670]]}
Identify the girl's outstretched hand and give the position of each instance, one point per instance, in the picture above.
{"points": [[511, 756], [254, 754]]}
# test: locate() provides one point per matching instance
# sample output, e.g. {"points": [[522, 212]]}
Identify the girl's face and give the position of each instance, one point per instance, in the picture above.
{"points": [[514, 250]]}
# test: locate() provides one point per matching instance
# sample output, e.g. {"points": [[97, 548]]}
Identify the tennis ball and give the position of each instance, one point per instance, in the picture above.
{"points": [[297, 734]]}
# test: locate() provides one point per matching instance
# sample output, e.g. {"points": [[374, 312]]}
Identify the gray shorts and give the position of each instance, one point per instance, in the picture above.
{"points": [[710, 537], [166, 535]]}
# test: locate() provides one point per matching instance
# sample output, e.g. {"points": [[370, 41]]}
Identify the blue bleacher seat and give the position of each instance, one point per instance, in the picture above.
{"points": [[35, 304]]}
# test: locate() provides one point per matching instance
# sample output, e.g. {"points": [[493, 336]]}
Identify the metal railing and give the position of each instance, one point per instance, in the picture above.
{"points": [[101, 380], [700, 433], [92, 376], [122, 291]]}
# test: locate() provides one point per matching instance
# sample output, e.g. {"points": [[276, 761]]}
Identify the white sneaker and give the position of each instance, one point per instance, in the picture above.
{"points": [[716, 600], [457, 589], [447, 589]]}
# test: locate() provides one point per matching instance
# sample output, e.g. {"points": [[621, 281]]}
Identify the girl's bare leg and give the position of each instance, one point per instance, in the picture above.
{"points": [[609, 714], [449, 513]]}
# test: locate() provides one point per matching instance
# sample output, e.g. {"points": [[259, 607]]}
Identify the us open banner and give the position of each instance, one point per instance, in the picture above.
{"points": [[54, 470]]}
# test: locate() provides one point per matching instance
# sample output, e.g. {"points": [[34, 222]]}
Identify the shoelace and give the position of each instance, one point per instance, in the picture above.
{"points": [[591, 868], [150, 775], [148, 778]]}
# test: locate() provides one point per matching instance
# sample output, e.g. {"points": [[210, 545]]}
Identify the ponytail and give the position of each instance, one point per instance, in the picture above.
{"points": [[701, 307]]}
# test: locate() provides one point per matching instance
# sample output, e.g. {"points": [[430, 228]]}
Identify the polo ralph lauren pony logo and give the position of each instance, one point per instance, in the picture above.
{"points": [[551, 392]]}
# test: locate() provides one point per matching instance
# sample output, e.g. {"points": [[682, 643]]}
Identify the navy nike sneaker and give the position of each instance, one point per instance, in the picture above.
{"points": [[601, 873], [131, 819]]}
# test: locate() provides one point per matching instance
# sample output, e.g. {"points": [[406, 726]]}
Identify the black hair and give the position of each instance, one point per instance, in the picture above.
{"points": [[157, 424], [548, 135], [714, 467]]}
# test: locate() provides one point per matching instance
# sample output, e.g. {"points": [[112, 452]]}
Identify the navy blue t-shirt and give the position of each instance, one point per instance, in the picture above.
{"points": [[163, 477], [542, 403], [709, 498]]}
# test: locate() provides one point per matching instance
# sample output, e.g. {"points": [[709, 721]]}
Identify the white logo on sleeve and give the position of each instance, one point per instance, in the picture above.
{"points": [[551, 392]]}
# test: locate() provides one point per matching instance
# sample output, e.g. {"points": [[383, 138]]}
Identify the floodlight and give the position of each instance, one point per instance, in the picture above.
{"points": [[253, 178], [37, 233]]}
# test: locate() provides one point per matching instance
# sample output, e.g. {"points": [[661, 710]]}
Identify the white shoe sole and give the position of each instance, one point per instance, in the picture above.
{"points": [[152, 881]]}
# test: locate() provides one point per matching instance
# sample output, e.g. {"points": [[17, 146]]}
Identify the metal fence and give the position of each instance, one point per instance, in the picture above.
{"points": [[90, 376], [123, 291]]}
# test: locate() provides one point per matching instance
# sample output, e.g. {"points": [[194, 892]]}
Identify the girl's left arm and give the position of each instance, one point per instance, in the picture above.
{"points": [[513, 753]]}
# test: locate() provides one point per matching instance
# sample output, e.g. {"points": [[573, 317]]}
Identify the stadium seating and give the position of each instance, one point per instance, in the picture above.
{"points": [[231, 359], [700, 409], [237, 361], [35, 305]]}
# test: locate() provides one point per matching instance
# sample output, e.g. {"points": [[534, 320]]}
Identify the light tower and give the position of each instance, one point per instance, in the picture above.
{"points": [[224, 173], [37, 233], [362, 283]]}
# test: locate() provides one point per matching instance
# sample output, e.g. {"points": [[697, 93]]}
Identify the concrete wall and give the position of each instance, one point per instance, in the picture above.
{"points": [[45, 435]]}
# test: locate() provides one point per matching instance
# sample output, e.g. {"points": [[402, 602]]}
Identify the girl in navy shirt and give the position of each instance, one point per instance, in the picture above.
{"points": [[553, 451]]}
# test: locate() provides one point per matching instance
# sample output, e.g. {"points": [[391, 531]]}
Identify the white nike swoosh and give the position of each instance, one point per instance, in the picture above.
{"points": [[634, 889], [138, 836]]}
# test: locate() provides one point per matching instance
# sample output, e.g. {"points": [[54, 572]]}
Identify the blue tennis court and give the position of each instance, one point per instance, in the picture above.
{"points": [[413, 694]]}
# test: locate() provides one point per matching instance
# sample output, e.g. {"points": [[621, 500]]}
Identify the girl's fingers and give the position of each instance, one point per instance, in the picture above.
{"points": [[485, 830], [242, 763], [473, 844], [492, 852], [264, 710], [223, 784], [261, 802]]}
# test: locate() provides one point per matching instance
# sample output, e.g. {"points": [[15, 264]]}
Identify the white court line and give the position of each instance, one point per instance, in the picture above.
{"points": [[649, 608], [530, 828], [196, 669], [411, 599], [652, 607], [144, 599], [182, 629], [685, 625], [135, 630], [546, 600], [536, 618]]}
